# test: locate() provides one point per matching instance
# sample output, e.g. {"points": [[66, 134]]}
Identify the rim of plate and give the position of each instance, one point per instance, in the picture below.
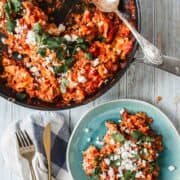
{"points": [[118, 100]]}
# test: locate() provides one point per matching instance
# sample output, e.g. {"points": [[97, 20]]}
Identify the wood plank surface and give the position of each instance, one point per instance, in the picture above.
{"points": [[161, 25]]}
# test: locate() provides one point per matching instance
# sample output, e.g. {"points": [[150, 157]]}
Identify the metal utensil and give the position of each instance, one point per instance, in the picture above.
{"points": [[152, 54], [26, 149], [47, 147]]}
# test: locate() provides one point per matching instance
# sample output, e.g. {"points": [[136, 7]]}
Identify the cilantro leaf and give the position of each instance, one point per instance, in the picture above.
{"points": [[11, 25], [37, 28], [21, 96], [148, 138], [136, 135], [118, 137], [42, 52], [128, 175], [16, 5], [88, 56]]}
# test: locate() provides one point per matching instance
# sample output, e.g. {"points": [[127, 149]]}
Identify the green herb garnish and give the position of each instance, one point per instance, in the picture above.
{"points": [[96, 172], [81, 40], [65, 50], [129, 175], [115, 163], [21, 96], [136, 135], [118, 137], [101, 39], [63, 86], [12, 8], [148, 138], [16, 5], [137, 156], [37, 28], [88, 56], [11, 25], [152, 166], [42, 52]]}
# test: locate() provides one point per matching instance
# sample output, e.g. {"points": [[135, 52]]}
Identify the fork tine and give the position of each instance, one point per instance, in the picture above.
{"points": [[28, 137], [24, 138], [19, 140]]}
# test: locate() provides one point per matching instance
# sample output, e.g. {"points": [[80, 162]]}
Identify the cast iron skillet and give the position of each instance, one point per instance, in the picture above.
{"points": [[10, 95]]}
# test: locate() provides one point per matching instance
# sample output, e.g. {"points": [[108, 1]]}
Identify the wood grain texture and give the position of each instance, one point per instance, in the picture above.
{"points": [[161, 25]]}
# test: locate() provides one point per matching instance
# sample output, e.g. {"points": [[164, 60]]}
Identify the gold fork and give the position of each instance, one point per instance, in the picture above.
{"points": [[26, 149]]}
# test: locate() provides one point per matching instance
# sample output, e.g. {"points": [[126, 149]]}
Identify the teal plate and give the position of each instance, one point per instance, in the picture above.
{"points": [[95, 120]]}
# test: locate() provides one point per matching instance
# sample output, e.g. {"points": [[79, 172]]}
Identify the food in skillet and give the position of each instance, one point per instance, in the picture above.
{"points": [[61, 63], [129, 151]]}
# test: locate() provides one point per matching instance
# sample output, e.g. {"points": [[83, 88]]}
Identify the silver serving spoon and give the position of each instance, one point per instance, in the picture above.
{"points": [[152, 54]]}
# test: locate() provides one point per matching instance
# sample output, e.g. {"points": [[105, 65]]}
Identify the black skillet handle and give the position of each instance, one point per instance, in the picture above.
{"points": [[170, 64]]}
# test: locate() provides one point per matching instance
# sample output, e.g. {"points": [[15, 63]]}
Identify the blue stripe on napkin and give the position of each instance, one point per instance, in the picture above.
{"points": [[58, 151]]}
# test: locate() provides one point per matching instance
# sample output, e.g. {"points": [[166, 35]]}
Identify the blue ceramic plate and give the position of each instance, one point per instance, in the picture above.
{"points": [[95, 120]]}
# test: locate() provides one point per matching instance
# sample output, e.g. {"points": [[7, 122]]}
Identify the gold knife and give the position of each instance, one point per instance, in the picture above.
{"points": [[47, 147]]}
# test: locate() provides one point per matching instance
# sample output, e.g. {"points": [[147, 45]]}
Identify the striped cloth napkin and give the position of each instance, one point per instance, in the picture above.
{"points": [[34, 125]]}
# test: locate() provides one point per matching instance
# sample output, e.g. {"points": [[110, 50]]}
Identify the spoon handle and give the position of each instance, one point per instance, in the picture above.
{"points": [[152, 53]]}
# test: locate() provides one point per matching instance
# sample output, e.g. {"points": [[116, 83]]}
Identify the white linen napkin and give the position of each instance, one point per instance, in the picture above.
{"points": [[34, 125]]}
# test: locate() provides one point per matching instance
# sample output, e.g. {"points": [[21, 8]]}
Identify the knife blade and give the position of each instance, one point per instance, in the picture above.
{"points": [[47, 147]]}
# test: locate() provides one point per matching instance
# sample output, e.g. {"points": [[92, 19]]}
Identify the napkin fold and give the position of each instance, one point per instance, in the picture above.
{"points": [[34, 125]]}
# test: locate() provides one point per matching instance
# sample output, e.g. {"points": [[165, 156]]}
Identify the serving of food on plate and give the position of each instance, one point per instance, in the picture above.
{"points": [[65, 63], [124, 140], [129, 151]]}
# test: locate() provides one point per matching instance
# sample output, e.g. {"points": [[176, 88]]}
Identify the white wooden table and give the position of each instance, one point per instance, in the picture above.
{"points": [[161, 25]]}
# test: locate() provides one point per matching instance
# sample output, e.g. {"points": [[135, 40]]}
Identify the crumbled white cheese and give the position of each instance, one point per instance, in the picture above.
{"points": [[139, 174], [3, 40], [31, 39], [127, 151], [103, 176], [112, 141], [78, 49], [100, 23], [111, 172], [51, 69], [19, 29], [17, 36], [171, 168], [35, 71], [95, 62], [85, 165], [107, 161], [61, 27], [74, 37], [19, 56], [67, 37], [112, 158], [81, 79], [128, 164], [143, 162], [116, 157], [120, 172], [101, 143], [118, 51], [86, 130], [97, 138], [122, 111], [49, 58], [98, 141], [28, 65]]}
